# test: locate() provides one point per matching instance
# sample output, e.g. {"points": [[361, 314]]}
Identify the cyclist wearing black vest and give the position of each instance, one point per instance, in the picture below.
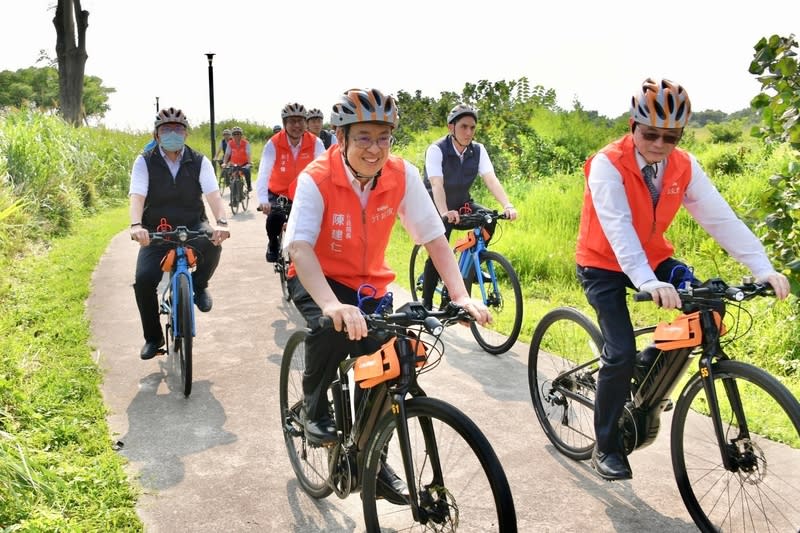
{"points": [[314, 119], [451, 166], [167, 184]]}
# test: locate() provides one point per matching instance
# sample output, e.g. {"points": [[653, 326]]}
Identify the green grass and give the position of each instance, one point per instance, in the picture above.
{"points": [[58, 471]]}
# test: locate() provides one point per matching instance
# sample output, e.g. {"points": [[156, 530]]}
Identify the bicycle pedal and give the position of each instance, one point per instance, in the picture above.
{"points": [[161, 351]]}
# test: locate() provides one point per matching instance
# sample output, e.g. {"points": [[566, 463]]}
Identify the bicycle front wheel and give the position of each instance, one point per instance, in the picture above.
{"points": [[310, 463], [416, 270], [761, 491], [459, 481], [500, 290], [562, 365], [244, 198], [185, 334], [236, 191]]}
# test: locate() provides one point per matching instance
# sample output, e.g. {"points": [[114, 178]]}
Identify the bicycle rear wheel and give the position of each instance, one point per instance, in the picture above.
{"points": [[244, 198], [762, 493], [562, 365], [504, 302], [185, 335], [416, 269], [310, 463], [460, 482]]}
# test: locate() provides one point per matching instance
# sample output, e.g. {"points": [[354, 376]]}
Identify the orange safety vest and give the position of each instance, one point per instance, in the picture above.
{"points": [[352, 241], [593, 248], [286, 168], [238, 152]]}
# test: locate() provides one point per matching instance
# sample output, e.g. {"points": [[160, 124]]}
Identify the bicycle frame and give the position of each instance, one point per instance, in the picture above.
{"points": [[470, 259], [168, 303]]}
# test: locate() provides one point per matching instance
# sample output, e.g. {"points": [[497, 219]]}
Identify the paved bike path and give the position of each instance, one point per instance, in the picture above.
{"points": [[216, 461]]}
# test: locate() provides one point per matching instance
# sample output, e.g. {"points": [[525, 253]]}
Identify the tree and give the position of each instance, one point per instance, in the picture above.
{"points": [[776, 66], [71, 57]]}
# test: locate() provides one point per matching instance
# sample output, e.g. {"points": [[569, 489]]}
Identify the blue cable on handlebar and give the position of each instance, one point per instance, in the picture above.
{"points": [[370, 291], [687, 279]]}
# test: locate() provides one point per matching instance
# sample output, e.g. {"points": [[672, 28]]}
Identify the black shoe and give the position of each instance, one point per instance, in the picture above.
{"points": [[272, 256], [150, 349], [611, 466], [390, 487], [203, 301], [320, 432]]}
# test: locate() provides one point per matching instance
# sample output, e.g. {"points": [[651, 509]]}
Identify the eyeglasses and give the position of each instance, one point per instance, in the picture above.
{"points": [[237, 134], [166, 128], [669, 138], [365, 141]]}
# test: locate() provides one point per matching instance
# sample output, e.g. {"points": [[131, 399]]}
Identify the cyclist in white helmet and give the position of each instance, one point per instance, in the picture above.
{"points": [[284, 156], [356, 189], [452, 164], [315, 119], [621, 243], [167, 187]]}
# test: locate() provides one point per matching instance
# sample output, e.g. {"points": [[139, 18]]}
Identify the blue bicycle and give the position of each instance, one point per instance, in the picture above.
{"points": [[485, 272], [177, 299]]}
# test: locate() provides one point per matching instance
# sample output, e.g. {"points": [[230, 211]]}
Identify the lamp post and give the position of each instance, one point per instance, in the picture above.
{"points": [[210, 57]]}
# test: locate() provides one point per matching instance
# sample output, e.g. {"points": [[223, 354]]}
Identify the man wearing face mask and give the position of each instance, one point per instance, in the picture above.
{"points": [[284, 156], [168, 184]]}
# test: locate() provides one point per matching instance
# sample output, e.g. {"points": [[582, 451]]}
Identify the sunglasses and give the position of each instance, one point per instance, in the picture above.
{"points": [[668, 138]]}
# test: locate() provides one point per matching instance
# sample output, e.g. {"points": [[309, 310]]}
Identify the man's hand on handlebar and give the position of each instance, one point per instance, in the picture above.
{"points": [[476, 309], [140, 235], [347, 318]]}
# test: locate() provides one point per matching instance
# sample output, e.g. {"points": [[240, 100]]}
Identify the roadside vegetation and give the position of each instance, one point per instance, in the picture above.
{"points": [[63, 197]]}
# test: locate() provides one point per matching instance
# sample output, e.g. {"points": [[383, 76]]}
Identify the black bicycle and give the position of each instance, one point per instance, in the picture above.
{"points": [[454, 477], [735, 436], [283, 206], [240, 196], [488, 276], [177, 299]]}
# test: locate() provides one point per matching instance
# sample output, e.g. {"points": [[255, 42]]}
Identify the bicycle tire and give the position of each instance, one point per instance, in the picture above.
{"points": [[244, 199], [562, 365], [763, 495], [416, 269], [447, 448], [222, 182], [310, 463], [506, 316], [185, 333], [236, 188]]}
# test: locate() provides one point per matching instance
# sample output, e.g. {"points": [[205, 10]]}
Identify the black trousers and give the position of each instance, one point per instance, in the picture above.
{"points": [[606, 292], [149, 274], [430, 275], [274, 224], [326, 347]]}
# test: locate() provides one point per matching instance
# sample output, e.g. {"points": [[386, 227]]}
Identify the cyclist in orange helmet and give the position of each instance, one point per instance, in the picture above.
{"points": [[627, 208], [345, 206]]}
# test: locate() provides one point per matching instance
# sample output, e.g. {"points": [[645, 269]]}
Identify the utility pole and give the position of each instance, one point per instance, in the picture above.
{"points": [[210, 57]]}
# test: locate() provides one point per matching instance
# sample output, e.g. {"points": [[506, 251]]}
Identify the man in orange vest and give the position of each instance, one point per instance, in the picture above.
{"points": [[634, 188], [345, 206], [284, 156], [238, 153]]}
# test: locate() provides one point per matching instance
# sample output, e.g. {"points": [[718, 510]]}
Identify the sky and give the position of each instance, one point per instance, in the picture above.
{"points": [[270, 53]]}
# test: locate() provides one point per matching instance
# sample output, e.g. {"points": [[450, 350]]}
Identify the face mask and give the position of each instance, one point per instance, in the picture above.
{"points": [[171, 141]]}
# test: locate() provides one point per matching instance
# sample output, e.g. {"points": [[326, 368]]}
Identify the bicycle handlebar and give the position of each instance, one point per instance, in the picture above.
{"points": [[181, 234], [480, 217], [716, 290], [412, 314]]}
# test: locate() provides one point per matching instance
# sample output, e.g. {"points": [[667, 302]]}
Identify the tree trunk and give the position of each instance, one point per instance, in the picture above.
{"points": [[71, 57]]}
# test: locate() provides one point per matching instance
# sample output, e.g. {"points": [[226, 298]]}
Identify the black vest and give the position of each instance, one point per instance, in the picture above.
{"points": [[180, 201], [458, 175], [326, 138]]}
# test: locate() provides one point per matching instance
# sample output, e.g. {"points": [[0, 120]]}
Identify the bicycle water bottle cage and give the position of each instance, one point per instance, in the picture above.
{"points": [[683, 332], [383, 365]]}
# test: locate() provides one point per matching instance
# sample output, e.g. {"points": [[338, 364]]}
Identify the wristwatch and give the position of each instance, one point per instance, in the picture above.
{"points": [[222, 222]]}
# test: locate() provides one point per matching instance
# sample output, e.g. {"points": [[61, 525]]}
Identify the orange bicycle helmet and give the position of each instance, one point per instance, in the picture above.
{"points": [[364, 105], [171, 116], [661, 104]]}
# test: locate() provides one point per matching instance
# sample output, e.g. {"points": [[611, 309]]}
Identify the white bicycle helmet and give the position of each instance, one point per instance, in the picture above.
{"points": [[293, 110], [236, 129], [226, 131], [315, 113], [364, 105], [171, 116], [459, 111], [661, 104]]}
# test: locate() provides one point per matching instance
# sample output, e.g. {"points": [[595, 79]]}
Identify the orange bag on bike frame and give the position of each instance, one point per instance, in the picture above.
{"points": [[468, 241], [383, 365], [683, 332], [168, 261]]}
